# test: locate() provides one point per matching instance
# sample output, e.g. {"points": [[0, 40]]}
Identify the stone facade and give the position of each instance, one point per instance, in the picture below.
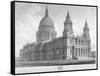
{"points": [[27, 52], [48, 47]]}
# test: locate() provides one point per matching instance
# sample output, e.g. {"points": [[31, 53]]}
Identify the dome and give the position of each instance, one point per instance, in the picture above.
{"points": [[46, 21], [46, 29]]}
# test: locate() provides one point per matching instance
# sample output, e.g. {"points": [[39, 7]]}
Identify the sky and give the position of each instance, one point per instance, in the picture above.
{"points": [[29, 15]]}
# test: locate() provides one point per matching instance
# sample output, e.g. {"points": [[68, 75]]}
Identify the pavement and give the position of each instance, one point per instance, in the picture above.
{"points": [[57, 62]]}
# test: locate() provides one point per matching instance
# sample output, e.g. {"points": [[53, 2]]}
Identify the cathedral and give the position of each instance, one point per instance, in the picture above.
{"points": [[48, 47]]}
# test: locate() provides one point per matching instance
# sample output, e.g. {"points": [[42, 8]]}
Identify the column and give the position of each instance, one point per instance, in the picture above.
{"points": [[76, 51], [80, 52], [85, 52]]}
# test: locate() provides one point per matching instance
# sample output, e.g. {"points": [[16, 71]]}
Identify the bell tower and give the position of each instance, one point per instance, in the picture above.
{"points": [[68, 31], [86, 30], [68, 36], [86, 36]]}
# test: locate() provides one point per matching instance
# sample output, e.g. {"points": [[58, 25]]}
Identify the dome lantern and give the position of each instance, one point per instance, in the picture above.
{"points": [[46, 12]]}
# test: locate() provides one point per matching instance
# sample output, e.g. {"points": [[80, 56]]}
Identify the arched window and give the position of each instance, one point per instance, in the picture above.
{"points": [[79, 42], [82, 42], [48, 35], [76, 51], [52, 35], [79, 51], [76, 41]]}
